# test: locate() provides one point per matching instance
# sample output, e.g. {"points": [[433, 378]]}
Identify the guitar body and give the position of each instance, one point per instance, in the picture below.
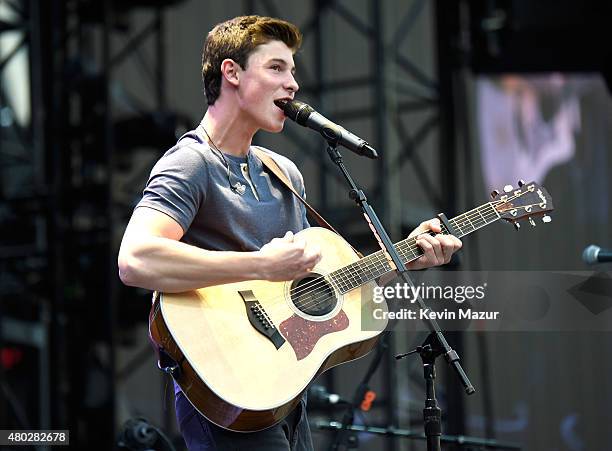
{"points": [[231, 371], [244, 353]]}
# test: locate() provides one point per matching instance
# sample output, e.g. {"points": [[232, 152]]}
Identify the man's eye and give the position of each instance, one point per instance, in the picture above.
{"points": [[276, 67]]}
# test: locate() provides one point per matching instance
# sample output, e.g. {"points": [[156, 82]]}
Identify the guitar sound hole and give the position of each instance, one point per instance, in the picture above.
{"points": [[313, 295]]}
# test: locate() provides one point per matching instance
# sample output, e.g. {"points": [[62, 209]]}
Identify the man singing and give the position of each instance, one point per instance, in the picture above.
{"points": [[211, 213]]}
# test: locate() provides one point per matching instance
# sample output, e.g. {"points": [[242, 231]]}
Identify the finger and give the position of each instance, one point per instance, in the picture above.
{"points": [[447, 246], [316, 253], [421, 228], [301, 274], [434, 225], [427, 251], [434, 249], [450, 245], [300, 244], [313, 256], [437, 247], [457, 243], [289, 236]]}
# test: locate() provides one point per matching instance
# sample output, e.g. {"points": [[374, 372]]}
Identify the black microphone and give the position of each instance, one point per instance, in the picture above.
{"points": [[305, 115], [595, 254]]}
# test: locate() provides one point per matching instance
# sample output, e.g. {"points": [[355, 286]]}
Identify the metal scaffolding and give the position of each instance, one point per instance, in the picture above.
{"points": [[58, 174], [24, 249]]}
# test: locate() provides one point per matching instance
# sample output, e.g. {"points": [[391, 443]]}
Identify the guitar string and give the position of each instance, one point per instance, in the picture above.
{"points": [[404, 246], [321, 281], [414, 249], [364, 264], [383, 264], [374, 261], [375, 266]]}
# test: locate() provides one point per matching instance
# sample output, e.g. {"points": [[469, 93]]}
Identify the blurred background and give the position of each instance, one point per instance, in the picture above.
{"points": [[460, 98]]}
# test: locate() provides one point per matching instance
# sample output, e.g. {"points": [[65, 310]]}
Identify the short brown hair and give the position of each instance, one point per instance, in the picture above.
{"points": [[236, 39]]}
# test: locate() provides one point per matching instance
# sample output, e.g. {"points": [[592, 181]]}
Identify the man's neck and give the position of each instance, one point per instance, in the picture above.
{"points": [[227, 131]]}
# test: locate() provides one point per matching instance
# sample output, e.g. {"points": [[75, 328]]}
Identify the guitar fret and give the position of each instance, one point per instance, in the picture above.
{"points": [[375, 265], [472, 217], [457, 226], [471, 224], [483, 218]]}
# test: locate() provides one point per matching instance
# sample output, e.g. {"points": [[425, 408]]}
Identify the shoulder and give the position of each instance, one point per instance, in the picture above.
{"points": [[189, 154]]}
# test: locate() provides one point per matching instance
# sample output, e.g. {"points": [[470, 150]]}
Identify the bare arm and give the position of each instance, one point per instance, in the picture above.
{"points": [[151, 256]]}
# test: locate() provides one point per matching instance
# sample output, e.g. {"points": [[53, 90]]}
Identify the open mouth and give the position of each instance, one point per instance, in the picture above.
{"points": [[282, 102]]}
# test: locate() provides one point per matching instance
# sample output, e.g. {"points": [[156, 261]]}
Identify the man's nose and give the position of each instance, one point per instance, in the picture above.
{"points": [[292, 84]]}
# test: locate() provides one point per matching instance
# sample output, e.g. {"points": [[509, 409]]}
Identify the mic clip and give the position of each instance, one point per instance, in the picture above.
{"points": [[239, 188]]}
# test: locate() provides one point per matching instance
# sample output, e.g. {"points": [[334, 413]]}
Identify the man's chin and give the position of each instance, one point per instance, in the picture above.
{"points": [[275, 128]]}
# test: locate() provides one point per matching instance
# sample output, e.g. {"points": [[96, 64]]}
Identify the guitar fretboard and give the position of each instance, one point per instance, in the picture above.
{"points": [[375, 265]]}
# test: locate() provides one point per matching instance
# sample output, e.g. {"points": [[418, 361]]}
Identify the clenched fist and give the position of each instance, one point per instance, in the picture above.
{"points": [[288, 258]]}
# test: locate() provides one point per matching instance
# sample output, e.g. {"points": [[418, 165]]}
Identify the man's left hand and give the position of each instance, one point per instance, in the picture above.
{"points": [[437, 249]]}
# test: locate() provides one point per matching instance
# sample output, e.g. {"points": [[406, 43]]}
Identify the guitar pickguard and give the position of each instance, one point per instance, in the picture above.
{"points": [[303, 334]]}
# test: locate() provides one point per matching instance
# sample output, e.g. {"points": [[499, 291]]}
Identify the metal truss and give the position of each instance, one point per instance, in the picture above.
{"points": [[24, 257], [66, 153], [21, 152]]}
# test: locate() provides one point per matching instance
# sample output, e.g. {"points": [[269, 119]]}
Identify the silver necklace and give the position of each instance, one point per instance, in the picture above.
{"points": [[237, 187]]}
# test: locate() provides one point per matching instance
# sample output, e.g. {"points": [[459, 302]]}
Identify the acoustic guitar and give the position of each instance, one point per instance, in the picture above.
{"points": [[244, 353]]}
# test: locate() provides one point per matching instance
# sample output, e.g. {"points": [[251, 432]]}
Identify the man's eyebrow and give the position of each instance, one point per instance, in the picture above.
{"points": [[282, 61]]}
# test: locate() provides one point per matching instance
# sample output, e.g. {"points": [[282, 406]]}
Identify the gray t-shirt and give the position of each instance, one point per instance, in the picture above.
{"points": [[190, 184]]}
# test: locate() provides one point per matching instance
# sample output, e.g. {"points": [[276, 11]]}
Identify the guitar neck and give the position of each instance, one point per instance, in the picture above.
{"points": [[375, 265]]}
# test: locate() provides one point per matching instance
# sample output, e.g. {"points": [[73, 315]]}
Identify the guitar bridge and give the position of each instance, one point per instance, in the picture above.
{"points": [[260, 320]]}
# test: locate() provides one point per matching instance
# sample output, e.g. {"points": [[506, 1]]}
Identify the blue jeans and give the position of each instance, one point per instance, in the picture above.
{"points": [[291, 434]]}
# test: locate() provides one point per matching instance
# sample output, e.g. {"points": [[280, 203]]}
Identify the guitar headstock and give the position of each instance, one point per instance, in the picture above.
{"points": [[527, 201]]}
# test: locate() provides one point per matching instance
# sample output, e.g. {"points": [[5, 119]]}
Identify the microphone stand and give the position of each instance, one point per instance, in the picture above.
{"points": [[436, 343]]}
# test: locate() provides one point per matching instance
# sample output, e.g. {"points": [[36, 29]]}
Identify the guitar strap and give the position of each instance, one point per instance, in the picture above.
{"points": [[270, 164]]}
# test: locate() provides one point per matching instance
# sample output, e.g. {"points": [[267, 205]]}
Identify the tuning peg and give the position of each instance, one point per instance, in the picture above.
{"points": [[508, 188], [546, 219], [517, 226], [531, 221], [521, 182], [494, 194]]}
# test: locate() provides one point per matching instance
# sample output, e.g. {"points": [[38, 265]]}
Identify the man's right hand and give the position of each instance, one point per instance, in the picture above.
{"points": [[288, 258]]}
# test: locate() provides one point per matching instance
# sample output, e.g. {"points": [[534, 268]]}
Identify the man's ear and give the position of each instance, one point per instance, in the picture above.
{"points": [[229, 71]]}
